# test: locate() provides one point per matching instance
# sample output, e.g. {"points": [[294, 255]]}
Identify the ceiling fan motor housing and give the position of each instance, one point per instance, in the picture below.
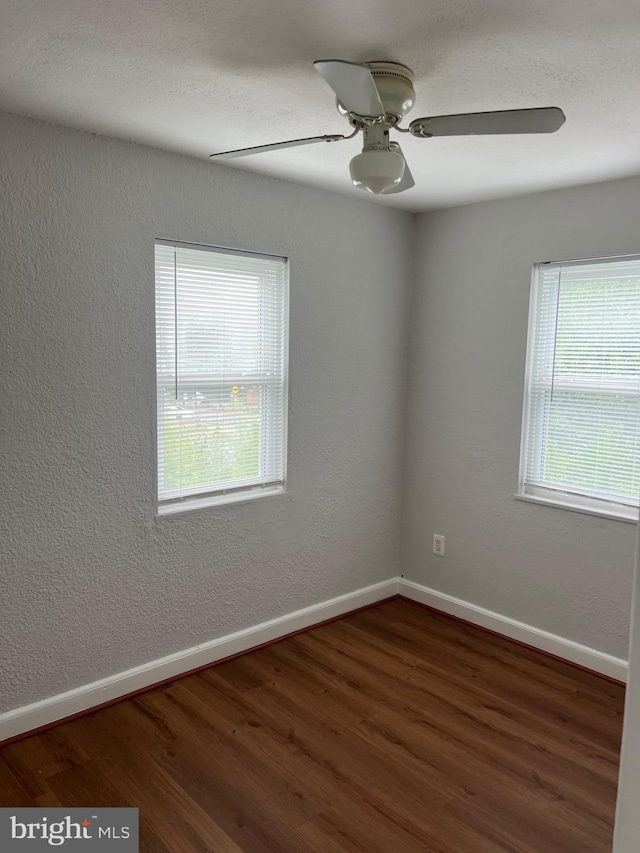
{"points": [[394, 83]]}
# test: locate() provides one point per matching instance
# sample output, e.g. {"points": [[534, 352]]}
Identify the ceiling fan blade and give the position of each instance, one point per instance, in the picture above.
{"points": [[407, 178], [540, 120], [353, 84], [274, 146]]}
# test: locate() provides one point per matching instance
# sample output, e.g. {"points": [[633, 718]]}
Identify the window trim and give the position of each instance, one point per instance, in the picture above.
{"points": [[551, 497], [587, 506], [233, 494], [218, 250]]}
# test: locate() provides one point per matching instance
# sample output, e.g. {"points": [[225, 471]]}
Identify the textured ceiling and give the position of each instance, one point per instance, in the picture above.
{"points": [[198, 76]]}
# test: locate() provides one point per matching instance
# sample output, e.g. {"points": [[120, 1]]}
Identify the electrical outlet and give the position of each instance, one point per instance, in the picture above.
{"points": [[438, 544]]}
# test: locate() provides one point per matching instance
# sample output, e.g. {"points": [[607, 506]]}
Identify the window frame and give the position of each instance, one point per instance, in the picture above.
{"points": [[554, 497], [200, 498]]}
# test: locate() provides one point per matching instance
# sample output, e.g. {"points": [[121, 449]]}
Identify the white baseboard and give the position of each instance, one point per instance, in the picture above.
{"points": [[29, 717], [535, 637], [47, 711]]}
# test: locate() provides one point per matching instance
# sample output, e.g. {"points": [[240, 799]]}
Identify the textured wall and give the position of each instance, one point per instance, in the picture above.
{"points": [[91, 582], [627, 813], [561, 571]]}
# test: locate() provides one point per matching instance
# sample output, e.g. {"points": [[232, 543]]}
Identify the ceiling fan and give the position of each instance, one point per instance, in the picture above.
{"points": [[374, 97]]}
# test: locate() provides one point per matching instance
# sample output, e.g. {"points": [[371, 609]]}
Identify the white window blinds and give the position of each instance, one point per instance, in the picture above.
{"points": [[221, 342], [581, 431]]}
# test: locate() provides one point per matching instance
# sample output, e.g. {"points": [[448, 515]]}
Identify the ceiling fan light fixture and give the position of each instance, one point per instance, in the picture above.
{"points": [[376, 170]]}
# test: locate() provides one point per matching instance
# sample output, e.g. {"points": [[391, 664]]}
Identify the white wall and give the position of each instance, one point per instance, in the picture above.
{"points": [[91, 582], [560, 571], [627, 831]]}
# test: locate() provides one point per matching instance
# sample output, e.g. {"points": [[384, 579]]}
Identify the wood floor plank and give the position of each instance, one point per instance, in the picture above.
{"points": [[357, 826], [478, 705], [501, 750], [540, 687], [13, 792], [393, 729]]}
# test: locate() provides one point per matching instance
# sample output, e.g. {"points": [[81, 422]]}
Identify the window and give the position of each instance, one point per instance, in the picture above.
{"points": [[221, 356], [581, 423]]}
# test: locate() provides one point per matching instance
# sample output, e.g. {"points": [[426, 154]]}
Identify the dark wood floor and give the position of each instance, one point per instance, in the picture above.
{"points": [[394, 729]]}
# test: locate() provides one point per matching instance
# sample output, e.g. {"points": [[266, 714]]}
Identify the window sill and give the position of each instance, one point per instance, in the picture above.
{"points": [[615, 514], [195, 503]]}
